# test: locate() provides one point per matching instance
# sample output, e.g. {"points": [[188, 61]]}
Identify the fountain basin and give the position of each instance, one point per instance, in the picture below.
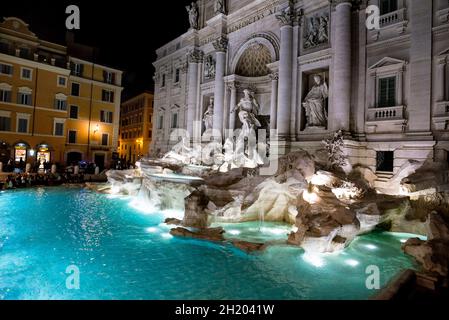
{"points": [[125, 254]]}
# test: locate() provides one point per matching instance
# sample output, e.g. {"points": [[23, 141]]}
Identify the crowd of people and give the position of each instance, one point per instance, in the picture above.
{"points": [[26, 180], [18, 175]]}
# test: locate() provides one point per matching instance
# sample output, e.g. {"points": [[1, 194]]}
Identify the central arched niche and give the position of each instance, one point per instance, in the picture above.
{"points": [[253, 61]]}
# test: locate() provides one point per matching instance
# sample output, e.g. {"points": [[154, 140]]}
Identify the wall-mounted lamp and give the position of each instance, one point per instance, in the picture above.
{"points": [[96, 129], [32, 152]]}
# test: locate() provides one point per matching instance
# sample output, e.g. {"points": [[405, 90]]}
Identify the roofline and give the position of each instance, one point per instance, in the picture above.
{"points": [[145, 93]]}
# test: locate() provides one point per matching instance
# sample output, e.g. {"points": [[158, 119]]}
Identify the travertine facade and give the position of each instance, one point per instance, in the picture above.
{"points": [[387, 88]]}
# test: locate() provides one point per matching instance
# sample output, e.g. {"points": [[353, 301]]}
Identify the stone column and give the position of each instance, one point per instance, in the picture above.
{"points": [[274, 102], [232, 103], [285, 75], [194, 58], [440, 93], [294, 102], [220, 46], [400, 93], [226, 112], [342, 66]]}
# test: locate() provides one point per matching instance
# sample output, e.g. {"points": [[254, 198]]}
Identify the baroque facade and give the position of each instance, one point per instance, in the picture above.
{"points": [[315, 68]]}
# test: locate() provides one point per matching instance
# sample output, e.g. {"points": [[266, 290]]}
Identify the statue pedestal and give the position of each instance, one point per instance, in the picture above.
{"points": [[315, 129]]}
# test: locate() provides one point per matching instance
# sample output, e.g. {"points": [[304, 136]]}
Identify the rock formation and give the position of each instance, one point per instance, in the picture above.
{"points": [[433, 254]]}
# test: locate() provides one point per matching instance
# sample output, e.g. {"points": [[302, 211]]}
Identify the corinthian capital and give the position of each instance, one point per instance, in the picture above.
{"points": [[290, 16], [286, 17], [221, 44], [195, 56]]}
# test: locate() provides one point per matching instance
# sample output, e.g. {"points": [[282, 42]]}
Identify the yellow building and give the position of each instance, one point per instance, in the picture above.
{"points": [[136, 123], [53, 106]]}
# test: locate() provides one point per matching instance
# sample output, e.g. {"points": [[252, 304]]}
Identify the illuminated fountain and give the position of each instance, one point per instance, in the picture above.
{"points": [[305, 204]]}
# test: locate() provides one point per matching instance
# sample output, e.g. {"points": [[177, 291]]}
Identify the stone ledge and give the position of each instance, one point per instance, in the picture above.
{"points": [[216, 235]]}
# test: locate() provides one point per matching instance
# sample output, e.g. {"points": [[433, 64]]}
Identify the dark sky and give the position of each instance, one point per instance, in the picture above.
{"points": [[126, 32]]}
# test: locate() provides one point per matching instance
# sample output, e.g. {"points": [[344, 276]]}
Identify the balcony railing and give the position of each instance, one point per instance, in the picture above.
{"points": [[392, 18], [385, 114]]}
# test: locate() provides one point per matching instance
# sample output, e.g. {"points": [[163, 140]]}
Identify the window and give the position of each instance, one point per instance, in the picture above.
{"points": [[109, 77], [106, 116], [387, 92], [385, 161], [163, 81], [59, 129], [24, 53], [5, 123], [22, 125], [174, 121], [387, 6], [6, 69], [26, 74], [60, 104], [104, 139], [24, 98], [161, 122], [177, 76], [4, 47], [73, 112], [77, 69], [62, 81], [107, 96], [75, 89], [150, 134], [72, 136], [5, 95]]}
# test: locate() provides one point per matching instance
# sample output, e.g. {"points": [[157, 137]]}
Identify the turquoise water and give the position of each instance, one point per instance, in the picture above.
{"points": [[124, 254]]}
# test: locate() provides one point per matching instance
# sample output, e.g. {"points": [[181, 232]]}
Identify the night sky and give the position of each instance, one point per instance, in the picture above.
{"points": [[127, 33]]}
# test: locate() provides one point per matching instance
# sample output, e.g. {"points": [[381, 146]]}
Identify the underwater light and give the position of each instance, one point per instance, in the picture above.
{"points": [[151, 230], [352, 262], [313, 259], [371, 246], [403, 240], [166, 235], [234, 232]]}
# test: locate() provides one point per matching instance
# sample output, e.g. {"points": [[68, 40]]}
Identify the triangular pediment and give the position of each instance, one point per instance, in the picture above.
{"points": [[387, 61]]}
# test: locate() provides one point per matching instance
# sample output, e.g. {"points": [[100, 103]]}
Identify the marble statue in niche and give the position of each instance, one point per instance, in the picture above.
{"points": [[315, 104], [248, 109], [193, 15], [246, 154], [208, 117], [209, 68], [317, 31]]}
